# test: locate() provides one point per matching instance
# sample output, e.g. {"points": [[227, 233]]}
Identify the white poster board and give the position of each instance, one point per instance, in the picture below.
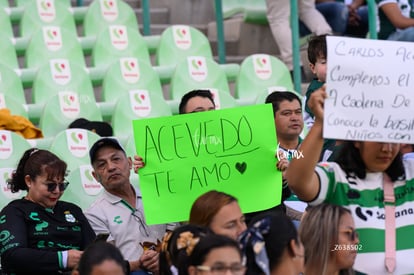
{"points": [[370, 87]]}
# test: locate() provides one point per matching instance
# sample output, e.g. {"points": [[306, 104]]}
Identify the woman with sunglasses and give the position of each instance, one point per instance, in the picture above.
{"points": [[331, 243], [39, 234]]}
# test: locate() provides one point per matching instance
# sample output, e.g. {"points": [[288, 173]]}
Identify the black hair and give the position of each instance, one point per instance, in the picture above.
{"points": [[34, 162], [208, 243], [173, 254], [191, 94], [350, 160], [277, 238], [277, 97], [98, 252], [317, 48]]}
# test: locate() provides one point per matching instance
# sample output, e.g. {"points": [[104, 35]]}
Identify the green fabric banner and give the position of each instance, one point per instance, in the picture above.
{"points": [[229, 150]]}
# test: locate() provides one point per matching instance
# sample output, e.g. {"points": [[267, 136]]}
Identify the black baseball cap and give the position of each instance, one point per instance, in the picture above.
{"points": [[104, 142]]}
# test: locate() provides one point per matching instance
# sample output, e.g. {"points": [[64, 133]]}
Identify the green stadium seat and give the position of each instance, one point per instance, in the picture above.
{"points": [[63, 108], [7, 50], [180, 41], [4, 3], [129, 74], [136, 104], [15, 107], [255, 11], [119, 41], [23, 3], [53, 43], [40, 13], [103, 13], [83, 189], [55, 76], [72, 146], [258, 73], [232, 7], [124, 75], [6, 30], [10, 84], [197, 72], [12, 147]]}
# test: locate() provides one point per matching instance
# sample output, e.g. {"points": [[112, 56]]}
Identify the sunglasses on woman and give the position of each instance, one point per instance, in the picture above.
{"points": [[51, 186]]}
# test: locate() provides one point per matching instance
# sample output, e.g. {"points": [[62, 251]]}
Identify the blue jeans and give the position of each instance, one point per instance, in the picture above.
{"points": [[335, 13], [403, 35]]}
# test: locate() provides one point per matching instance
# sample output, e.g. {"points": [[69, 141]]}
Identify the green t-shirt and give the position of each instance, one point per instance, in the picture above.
{"points": [[364, 198], [386, 27]]}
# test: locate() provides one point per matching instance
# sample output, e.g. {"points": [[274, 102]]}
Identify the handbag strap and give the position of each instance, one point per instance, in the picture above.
{"points": [[389, 205]]}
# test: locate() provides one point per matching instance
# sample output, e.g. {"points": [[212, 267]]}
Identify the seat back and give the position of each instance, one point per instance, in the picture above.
{"points": [[72, 146], [59, 75], [103, 13], [62, 109], [11, 85], [7, 50], [12, 147], [129, 74], [53, 43], [23, 3], [15, 108], [40, 13], [257, 73], [83, 189], [180, 41], [119, 41], [6, 30], [197, 72], [136, 104]]}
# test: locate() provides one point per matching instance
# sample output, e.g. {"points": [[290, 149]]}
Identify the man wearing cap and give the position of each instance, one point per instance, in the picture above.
{"points": [[119, 211]]}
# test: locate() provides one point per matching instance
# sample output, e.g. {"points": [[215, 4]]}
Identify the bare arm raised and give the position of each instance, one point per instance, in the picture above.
{"points": [[300, 173]]}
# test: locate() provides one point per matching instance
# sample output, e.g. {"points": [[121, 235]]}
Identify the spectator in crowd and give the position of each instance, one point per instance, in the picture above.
{"points": [[119, 211], [396, 20], [346, 17], [220, 212], [328, 234], [101, 258], [362, 172], [216, 254], [191, 102], [40, 233], [318, 55], [287, 111], [278, 14], [271, 245], [177, 246]]}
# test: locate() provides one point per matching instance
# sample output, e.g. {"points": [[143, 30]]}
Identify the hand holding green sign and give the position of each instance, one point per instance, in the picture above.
{"points": [[230, 150]]}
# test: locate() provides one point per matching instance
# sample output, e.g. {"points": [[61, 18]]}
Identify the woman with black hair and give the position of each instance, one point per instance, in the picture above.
{"points": [[41, 234], [372, 181], [271, 246]]}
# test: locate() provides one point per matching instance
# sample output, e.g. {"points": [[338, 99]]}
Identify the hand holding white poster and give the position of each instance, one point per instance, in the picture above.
{"points": [[370, 87]]}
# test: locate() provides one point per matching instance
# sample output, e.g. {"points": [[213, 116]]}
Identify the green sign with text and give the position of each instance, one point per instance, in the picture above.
{"points": [[229, 150]]}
